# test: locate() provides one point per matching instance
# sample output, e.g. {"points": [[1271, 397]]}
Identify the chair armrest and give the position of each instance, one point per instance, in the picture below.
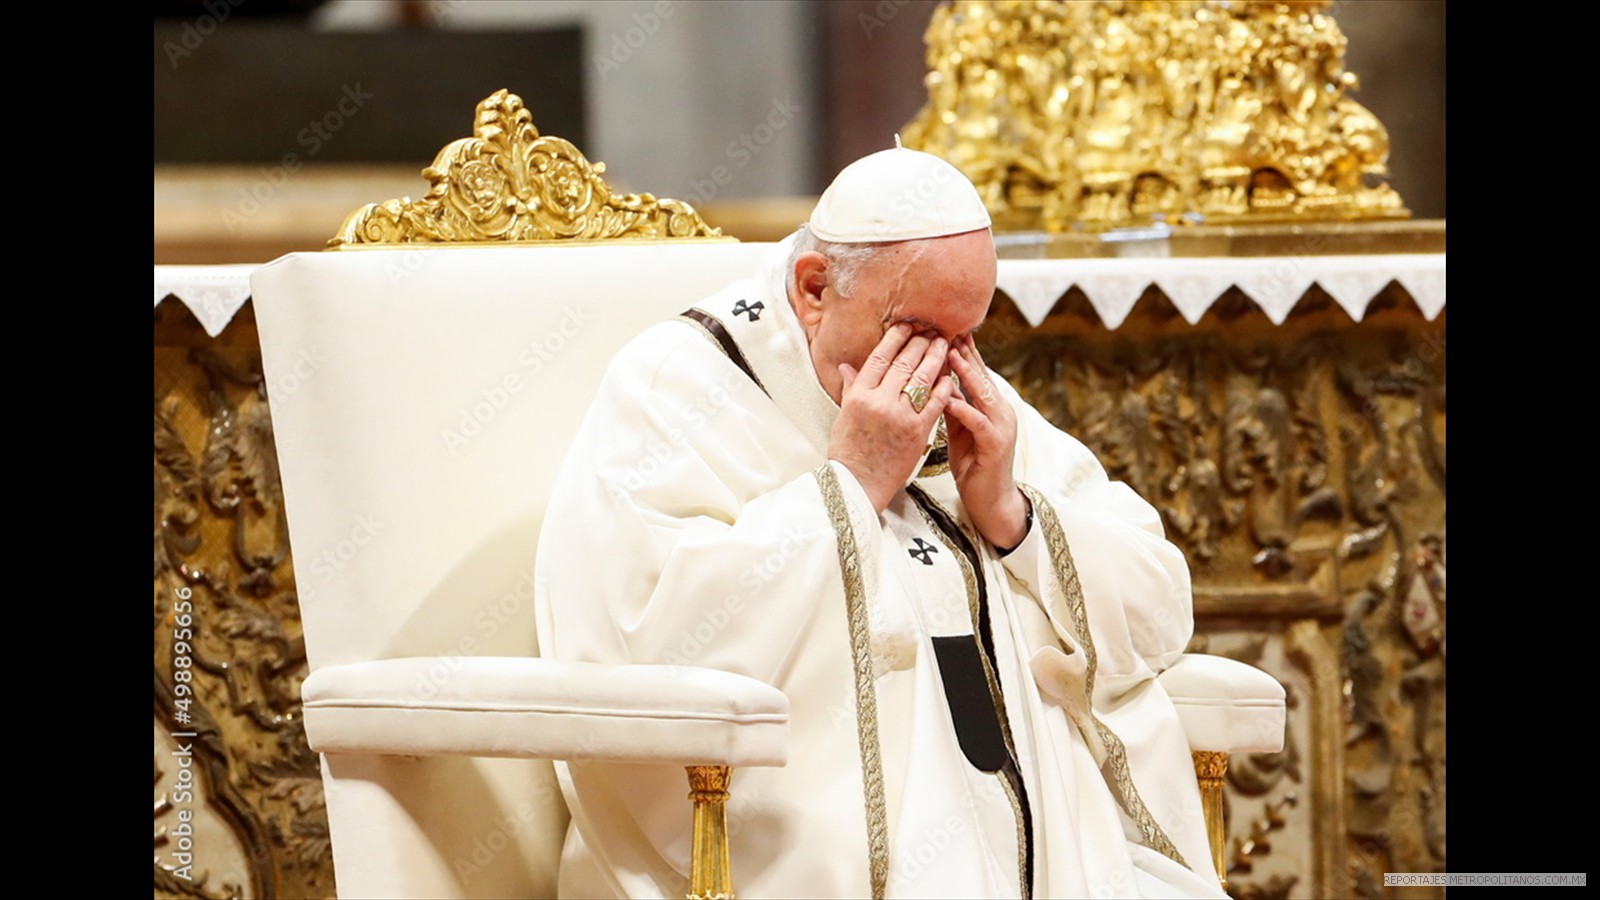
{"points": [[538, 708], [1225, 704]]}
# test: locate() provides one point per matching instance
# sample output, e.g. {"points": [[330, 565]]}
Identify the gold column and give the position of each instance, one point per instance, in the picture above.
{"points": [[711, 868], [1211, 766]]}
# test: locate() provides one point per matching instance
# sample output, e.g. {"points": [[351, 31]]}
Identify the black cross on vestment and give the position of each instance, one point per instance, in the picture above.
{"points": [[924, 552], [753, 310]]}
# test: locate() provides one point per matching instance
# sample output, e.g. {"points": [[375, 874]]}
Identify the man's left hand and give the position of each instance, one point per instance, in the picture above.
{"points": [[982, 430]]}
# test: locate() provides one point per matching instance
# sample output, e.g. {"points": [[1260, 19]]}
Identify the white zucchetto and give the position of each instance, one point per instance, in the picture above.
{"points": [[897, 195]]}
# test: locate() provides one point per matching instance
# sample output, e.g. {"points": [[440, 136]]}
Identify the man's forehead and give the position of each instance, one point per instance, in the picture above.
{"points": [[936, 284], [949, 327]]}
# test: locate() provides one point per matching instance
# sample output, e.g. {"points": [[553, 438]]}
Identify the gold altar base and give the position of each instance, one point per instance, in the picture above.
{"points": [[1299, 238], [224, 579]]}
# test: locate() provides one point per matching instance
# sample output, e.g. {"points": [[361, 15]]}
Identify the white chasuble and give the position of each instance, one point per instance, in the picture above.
{"points": [[961, 724]]}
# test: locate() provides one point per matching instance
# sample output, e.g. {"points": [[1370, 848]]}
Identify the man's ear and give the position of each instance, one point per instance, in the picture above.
{"points": [[810, 277]]}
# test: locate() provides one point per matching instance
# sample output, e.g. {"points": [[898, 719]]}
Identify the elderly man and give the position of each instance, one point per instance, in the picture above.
{"points": [[812, 479]]}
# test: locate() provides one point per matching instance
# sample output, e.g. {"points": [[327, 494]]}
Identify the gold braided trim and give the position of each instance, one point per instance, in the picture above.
{"points": [[855, 597], [1022, 832], [706, 332], [1116, 762]]}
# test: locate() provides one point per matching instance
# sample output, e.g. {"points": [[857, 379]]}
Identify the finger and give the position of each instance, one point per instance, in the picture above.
{"points": [[984, 385], [955, 429], [971, 378], [848, 373], [943, 390], [884, 354], [975, 382], [933, 362], [970, 418], [906, 362]]}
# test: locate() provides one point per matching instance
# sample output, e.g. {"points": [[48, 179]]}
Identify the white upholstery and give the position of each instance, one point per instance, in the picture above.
{"points": [[540, 708], [421, 403], [1226, 704]]}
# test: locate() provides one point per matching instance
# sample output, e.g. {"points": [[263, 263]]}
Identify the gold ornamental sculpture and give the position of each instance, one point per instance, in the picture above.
{"points": [[1116, 112], [510, 183]]}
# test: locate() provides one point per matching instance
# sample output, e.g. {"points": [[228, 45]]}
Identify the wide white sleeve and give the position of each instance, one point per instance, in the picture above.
{"points": [[1135, 585], [688, 526]]}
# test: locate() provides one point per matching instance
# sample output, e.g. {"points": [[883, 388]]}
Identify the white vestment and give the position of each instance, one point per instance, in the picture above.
{"points": [[697, 521]]}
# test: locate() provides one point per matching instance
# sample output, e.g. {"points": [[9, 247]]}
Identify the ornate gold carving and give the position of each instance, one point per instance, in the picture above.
{"points": [[711, 870], [1304, 451], [1210, 766], [709, 784], [1102, 114], [1312, 651], [189, 815], [1259, 842], [510, 183], [855, 596], [221, 548]]}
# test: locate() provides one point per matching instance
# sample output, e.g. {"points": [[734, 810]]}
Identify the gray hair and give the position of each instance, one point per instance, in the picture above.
{"points": [[844, 260]]}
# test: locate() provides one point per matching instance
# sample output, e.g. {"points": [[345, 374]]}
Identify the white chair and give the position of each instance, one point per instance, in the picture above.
{"points": [[419, 399]]}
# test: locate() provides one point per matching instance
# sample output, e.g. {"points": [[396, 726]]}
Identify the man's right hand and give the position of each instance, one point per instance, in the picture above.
{"points": [[878, 436]]}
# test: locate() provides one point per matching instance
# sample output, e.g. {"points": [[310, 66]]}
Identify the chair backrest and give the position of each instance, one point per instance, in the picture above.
{"points": [[422, 400]]}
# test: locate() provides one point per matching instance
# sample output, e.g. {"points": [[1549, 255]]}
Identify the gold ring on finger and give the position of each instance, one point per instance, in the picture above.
{"points": [[918, 393]]}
